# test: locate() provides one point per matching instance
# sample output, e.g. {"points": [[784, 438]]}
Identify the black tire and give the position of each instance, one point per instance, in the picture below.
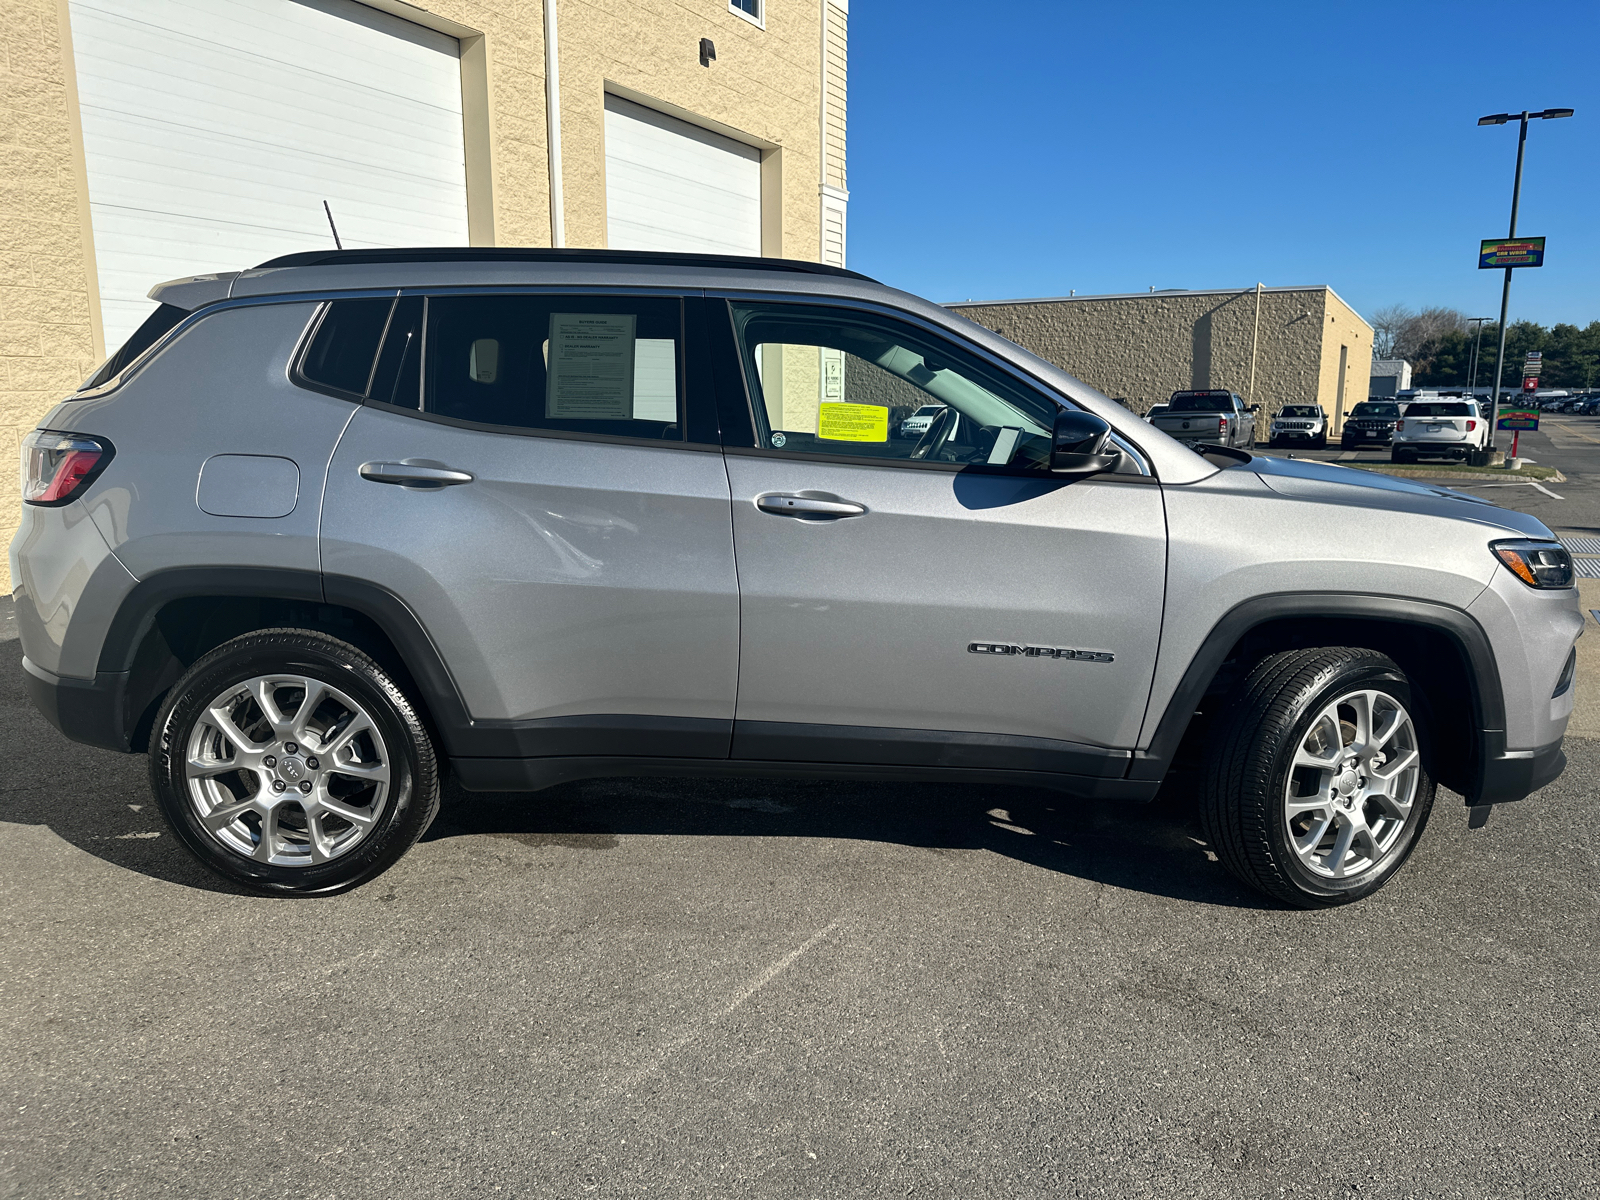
{"points": [[1402, 456], [412, 798], [1247, 772], [1322, 442]]}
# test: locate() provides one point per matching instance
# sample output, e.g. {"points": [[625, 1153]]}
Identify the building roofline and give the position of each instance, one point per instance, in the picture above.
{"points": [[465, 254], [1310, 287]]}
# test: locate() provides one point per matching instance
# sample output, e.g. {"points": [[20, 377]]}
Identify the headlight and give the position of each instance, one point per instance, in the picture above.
{"points": [[1537, 564]]}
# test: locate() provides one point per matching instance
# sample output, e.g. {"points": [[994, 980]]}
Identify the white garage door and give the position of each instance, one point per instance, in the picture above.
{"points": [[674, 186], [214, 130]]}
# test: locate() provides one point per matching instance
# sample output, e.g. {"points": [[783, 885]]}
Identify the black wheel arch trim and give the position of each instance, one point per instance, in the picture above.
{"points": [[1488, 701]]}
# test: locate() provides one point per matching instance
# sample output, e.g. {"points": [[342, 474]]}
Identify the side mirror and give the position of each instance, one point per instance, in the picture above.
{"points": [[1254, 408], [1078, 445]]}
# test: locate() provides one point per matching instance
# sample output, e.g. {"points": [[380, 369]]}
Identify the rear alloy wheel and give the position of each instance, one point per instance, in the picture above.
{"points": [[288, 761], [1315, 789]]}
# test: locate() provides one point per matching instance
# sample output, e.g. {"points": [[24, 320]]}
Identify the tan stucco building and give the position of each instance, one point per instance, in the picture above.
{"points": [[139, 142], [1272, 345]]}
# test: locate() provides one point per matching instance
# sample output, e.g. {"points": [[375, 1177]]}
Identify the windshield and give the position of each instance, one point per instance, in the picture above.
{"points": [[1388, 411], [1300, 410], [1211, 404], [928, 410], [1455, 409]]}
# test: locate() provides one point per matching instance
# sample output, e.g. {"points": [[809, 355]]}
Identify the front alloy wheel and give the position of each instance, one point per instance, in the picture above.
{"points": [[1316, 786], [1352, 784]]}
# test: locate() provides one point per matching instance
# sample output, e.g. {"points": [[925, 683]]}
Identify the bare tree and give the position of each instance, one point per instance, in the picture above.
{"points": [[1421, 335], [1387, 323]]}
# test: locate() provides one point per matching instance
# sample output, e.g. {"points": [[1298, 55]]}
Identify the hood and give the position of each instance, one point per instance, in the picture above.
{"points": [[1332, 484]]}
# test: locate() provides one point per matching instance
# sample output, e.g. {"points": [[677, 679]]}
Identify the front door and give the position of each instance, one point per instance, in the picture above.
{"points": [[934, 595], [519, 478]]}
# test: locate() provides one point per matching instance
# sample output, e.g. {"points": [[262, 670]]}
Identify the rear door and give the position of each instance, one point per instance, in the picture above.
{"points": [[938, 600], [520, 478]]}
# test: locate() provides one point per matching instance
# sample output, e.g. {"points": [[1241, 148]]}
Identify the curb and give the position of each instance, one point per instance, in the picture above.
{"points": [[1509, 476]]}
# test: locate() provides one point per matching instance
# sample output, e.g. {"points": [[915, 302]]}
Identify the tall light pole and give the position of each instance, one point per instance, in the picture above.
{"points": [[1516, 196], [1477, 345]]}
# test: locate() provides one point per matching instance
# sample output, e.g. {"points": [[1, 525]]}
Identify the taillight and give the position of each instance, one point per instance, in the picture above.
{"points": [[1399, 425], [57, 468], [1471, 425]]}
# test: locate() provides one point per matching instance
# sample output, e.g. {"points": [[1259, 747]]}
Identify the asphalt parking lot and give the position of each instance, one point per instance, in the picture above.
{"points": [[645, 988]]}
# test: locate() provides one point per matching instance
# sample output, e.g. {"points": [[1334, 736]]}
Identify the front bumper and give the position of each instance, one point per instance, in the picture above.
{"points": [[1515, 774]]}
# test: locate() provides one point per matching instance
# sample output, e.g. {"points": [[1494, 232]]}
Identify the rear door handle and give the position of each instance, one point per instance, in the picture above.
{"points": [[807, 506], [412, 475]]}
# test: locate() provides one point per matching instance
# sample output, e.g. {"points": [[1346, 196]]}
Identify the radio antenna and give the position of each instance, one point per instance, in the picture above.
{"points": [[332, 226]]}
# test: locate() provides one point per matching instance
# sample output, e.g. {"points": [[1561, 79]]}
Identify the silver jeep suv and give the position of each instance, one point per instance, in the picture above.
{"points": [[327, 527]]}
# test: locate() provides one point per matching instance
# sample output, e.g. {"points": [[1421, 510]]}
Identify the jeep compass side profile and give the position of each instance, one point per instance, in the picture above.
{"points": [[326, 528]]}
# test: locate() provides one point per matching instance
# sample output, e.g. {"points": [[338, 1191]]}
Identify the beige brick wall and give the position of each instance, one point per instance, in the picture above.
{"points": [[47, 324], [765, 85], [1145, 347], [1344, 330]]}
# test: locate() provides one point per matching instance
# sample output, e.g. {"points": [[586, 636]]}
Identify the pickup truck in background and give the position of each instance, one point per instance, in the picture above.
{"points": [[1217, 418]]}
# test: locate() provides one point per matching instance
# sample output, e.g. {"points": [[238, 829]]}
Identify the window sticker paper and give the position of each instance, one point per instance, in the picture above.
{"points": [[655, 380], [591, 367], [853, 422]]}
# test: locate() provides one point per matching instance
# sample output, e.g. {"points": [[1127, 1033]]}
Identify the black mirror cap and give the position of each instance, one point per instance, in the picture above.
{"points": [[1078, 445], [1078, 432]]}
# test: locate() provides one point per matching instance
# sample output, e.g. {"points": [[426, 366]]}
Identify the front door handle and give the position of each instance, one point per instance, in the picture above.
{"points": [[808, 507], [412, 475]]}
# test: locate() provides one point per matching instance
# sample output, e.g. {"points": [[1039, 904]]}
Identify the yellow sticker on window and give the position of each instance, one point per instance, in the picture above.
{"points": [[853, 422]]}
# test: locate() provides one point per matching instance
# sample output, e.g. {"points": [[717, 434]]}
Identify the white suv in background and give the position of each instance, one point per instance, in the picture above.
{"points": [[1449, 428], [917, 423]]}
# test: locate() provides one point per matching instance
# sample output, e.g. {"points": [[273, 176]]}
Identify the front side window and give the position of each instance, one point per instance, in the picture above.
{"points": [[579, 364], [844, 383]]}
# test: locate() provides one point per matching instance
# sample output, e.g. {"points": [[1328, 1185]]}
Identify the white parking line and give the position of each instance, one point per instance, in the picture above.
{"points": [[1513, 483]]}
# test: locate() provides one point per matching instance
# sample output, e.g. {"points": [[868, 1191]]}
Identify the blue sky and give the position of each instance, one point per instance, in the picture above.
{"points": [[1031, 147]]}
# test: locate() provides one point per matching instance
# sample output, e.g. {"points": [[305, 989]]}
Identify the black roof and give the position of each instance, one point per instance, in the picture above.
{"points": [[640, 258]]}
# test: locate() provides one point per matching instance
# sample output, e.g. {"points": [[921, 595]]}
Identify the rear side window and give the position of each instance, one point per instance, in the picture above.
{"points": [[578, 364], [155, 327], [341, 352], [1214, 402]]}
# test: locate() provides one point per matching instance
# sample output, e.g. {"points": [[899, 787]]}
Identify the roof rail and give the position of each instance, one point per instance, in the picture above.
{"points": [[655, 258]]}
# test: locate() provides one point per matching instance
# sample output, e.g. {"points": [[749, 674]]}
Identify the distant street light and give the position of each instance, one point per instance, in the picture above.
{"points": [[1516, 196], [1477, 344]]}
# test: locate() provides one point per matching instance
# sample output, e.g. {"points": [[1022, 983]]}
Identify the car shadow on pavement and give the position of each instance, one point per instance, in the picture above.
{"points": [[1155, 848], [100, 802]]}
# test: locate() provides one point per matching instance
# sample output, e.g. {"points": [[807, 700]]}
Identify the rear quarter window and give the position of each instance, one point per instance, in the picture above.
{"points": [[339, 357]]}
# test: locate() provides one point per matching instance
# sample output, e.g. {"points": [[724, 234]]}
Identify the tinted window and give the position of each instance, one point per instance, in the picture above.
{"points": [[1388, 412], [1300, 410], [346, 341], [397, 378], [155, 327], [585, 364], [1439, 410], [1211, 404], [841, 383]]}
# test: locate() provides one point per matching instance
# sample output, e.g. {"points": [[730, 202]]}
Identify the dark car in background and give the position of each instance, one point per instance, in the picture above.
{"points": [[1371, 421]]}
